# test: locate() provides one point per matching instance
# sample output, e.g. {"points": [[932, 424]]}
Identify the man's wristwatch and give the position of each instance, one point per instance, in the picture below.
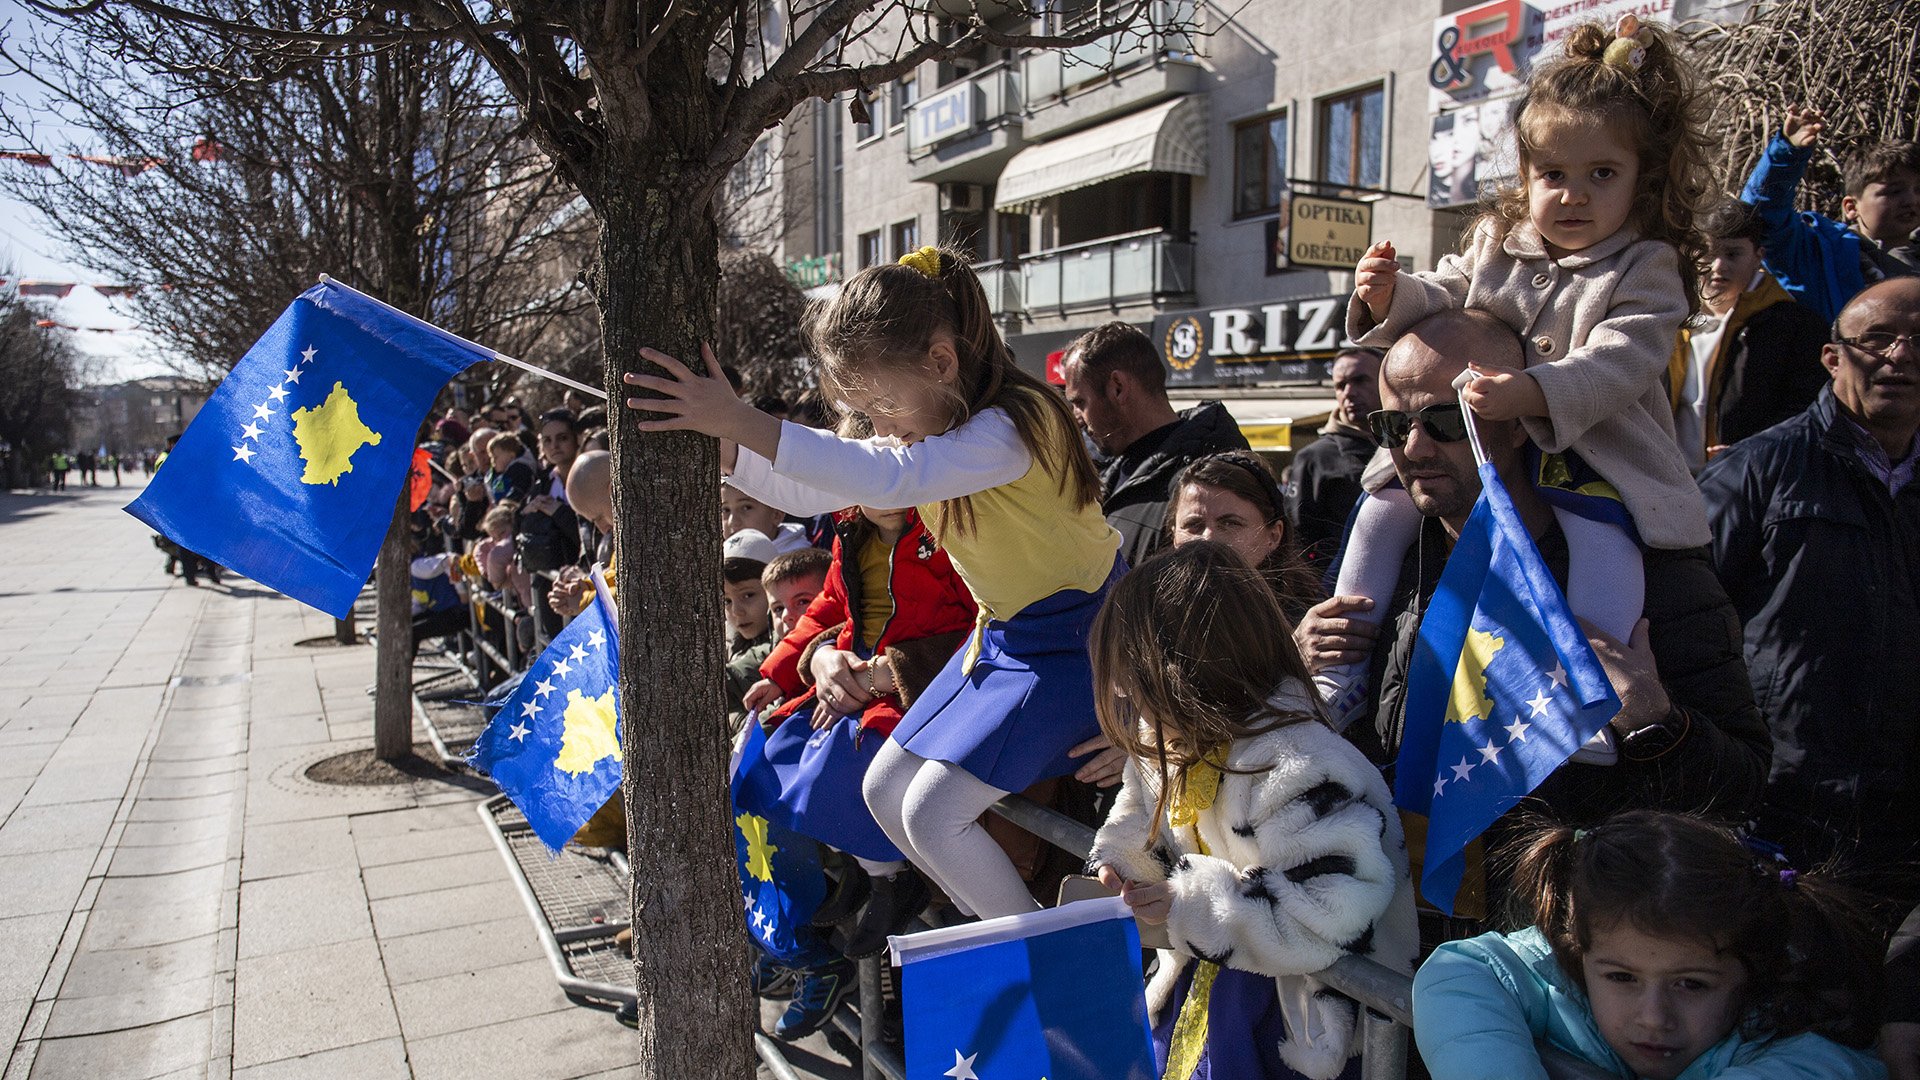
{"points": [[1656, 739]]}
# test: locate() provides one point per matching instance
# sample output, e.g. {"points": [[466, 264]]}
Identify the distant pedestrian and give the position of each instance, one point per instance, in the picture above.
{"points": [[58, 466]]}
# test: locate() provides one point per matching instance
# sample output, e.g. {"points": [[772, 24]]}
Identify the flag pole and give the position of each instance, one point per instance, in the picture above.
{"points": [[1460, 382], [503, 358]]}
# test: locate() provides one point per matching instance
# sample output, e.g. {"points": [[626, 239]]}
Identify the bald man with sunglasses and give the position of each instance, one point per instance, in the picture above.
{"points": [[1689, 735]]}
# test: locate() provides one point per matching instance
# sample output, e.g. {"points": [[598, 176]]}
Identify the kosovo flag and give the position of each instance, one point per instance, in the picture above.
{"points": [[781, 883], [291, 471], [1055, 993], [554, 746], [1503, 688]]}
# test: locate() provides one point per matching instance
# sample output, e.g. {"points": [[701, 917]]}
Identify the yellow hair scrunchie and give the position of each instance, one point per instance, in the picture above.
{"points": [[926, 260]]}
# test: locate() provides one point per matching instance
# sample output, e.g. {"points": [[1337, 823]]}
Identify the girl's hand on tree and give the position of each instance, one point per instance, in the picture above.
{"points": [[706, 404], [1803, 126], [1373, 279], [1506, 395]]}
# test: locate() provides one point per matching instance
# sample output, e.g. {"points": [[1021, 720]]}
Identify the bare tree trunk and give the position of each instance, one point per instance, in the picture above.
{"points": [[690, 951], [393, 656], [343, 631]]}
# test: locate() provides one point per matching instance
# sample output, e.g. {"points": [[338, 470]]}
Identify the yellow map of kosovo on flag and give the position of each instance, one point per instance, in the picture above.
{"points": [[588, 737], [1468, 698], [328, 435]]}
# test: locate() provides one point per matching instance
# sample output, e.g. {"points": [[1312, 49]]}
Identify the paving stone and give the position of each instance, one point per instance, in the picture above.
{"points": [[459, 949], [421, 912], [26, 759], [133, 928], [27, 945], [301, 1002], [48, 881], [364, 1061], [69, 827], [192, 787], [219, 806], [477, 999], [131, 1007], [422, 844], [297, 847], [94, 973], [169, 858], [430, 875], [572, 1042], [170, 1047], [162, 833], [233, 763], [302, 911], [412, 820], [159, 890], [13, 1017]]}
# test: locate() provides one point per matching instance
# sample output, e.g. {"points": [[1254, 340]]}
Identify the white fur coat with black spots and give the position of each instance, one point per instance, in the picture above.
{"points": [[1308, 865]]}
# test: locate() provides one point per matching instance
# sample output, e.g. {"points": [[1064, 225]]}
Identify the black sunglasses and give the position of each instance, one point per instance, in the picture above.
{"points": [[1444, 422]]}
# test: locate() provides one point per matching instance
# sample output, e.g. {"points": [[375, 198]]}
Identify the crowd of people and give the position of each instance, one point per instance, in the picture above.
{"points": [[971, 583]]}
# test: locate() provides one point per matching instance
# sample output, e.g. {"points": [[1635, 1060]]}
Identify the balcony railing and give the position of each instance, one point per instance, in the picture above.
{"points": [[1134, 266], [1002, 284], [1054, 71], [987, 98]]}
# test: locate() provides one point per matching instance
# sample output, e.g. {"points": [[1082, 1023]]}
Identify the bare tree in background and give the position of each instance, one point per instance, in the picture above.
{"points": [[1857, 61], [645, 107], [40, 376], [757, 327]]}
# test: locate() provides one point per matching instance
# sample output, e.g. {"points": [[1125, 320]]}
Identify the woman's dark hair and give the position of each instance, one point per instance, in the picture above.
{"points": [[887, 316], [1809, 947], [1245, 473], [1186, 651], [1659, 107]]}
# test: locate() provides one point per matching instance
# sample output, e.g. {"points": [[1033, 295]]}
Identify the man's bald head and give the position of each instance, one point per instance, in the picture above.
{"points": [[1901, 292], [1441, 346], [590, 488]]}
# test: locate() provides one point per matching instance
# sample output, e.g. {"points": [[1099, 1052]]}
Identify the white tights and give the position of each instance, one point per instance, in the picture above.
{"points": [[931, 810]]}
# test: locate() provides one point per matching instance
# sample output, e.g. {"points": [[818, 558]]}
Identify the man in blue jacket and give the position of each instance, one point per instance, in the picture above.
{"points": [[1816, 526], [1824, 262]]}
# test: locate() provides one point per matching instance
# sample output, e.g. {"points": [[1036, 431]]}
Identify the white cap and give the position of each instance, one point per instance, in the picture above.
{"points": [[749, 544]]}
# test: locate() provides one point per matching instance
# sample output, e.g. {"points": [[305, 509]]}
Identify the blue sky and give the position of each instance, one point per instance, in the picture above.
{"points": [[26, 247]]}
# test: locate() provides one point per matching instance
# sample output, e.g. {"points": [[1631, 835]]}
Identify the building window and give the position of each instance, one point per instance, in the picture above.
{"points": [[875, 124], [1259, 164], [906, 237], [871, 253], [829, 167], [905, 93], [1353, 138]]}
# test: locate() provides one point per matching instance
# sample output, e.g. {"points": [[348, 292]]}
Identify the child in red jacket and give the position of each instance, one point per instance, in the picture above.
{"points": [[892, 613]]}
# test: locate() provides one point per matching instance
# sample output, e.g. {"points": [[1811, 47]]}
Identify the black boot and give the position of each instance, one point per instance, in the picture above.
{"points": [[894, 903], [849, 892]]}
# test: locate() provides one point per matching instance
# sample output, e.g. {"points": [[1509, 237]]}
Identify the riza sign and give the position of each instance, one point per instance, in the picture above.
{"points": [[1285, 341]]}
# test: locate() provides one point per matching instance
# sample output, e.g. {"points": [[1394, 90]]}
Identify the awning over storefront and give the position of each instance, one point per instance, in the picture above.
{"points": [[1169, 137]]}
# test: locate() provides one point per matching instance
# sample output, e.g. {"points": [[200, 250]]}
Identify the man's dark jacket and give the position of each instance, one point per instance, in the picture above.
{"points": [[1823, 564], [1322, 486], [1138, 481], [1719, 764]]}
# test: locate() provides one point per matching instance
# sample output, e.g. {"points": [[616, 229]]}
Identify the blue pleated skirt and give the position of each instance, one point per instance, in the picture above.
{"points": [[1028, 698]]}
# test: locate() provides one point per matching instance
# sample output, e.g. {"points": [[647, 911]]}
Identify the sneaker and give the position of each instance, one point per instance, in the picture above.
{"points": [[820, 993], [849, 892], [895, 901], [770, 980]]}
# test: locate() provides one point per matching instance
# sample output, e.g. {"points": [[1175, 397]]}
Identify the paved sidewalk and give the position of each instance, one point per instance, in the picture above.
{"points": [[177, 900]]}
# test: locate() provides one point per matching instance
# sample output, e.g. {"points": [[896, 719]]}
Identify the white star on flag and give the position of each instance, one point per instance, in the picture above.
{"points": [[1558, 675], [1517, 731], [1539, 704], [576, 653], [245, 453], [517, 733], [528, 710], [261, 412], [278, 393], [562, 668], [962, 1067], [293, 374], [1461, 770], [307, 355], [251, 431], [1439, 786], [1489, 754], [543, 688], [596, 639]]}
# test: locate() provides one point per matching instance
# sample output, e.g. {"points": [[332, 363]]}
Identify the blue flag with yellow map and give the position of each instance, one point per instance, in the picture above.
{"points": [[781, 883], [554, 745], [291, 471], [1502, 689]]}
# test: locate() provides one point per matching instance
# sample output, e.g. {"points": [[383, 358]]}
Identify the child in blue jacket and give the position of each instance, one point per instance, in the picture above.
{"points": [[1662, 948]]}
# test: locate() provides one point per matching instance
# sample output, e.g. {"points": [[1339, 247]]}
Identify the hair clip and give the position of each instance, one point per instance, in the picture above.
{"points": [[1628, 49], [1579, 835], [926, 260], [1789, 876]]}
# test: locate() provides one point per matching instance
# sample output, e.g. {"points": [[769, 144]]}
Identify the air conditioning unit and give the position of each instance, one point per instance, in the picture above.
{"points": [[962, 198]]}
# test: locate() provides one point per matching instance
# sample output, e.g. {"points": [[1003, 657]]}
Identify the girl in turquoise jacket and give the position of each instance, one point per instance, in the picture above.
{"points": [[1662, 948]]}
